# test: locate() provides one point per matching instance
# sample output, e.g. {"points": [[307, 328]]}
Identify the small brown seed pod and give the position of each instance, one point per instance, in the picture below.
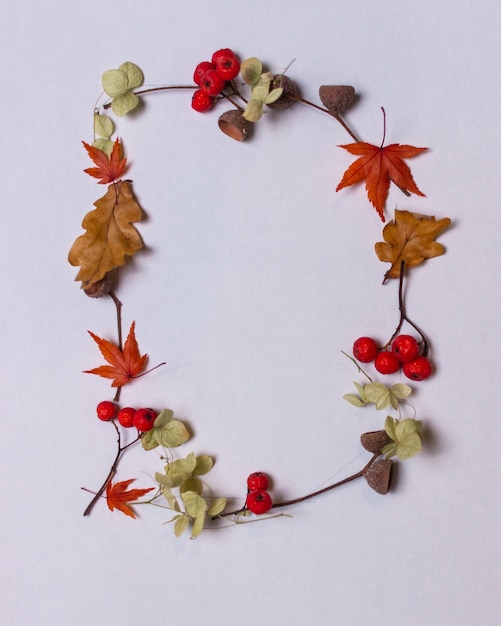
{"points": [[233, 124], [375, 441], [100, 288], [336, 98], [289, 95], [378, 476]]}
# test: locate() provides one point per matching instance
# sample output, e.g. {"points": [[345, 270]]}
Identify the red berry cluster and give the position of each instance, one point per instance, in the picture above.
{"points": [[258, 499], [128, 417], [404, 353], [212, 76]]}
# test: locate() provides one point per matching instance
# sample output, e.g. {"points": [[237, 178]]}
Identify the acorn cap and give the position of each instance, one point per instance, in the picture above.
{"points": [[289, 95], [378, 475], [233, 124], [336, 98], [375, 441], [100, 288]]}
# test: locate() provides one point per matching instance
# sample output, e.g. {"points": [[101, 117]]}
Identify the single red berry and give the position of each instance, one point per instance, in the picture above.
{"points": [[200, 69], [227, 63], [365, 349], [144, 419], [386, 362], [258, 481], [259, 502], [405, 348], [419, 369], [125, 417], [106, 410], [201, 101], [211, 83]]}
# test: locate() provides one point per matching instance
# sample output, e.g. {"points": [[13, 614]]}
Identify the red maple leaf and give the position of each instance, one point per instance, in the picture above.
{"points": [[123, 364], [108, 169], [117, 496], [378, 166]]}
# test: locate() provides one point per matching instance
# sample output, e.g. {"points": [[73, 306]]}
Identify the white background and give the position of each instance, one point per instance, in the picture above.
{"points": [[257, 275]]}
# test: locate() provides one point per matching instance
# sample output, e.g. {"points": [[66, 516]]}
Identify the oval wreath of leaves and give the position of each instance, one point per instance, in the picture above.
{"points": [[111, 237]]}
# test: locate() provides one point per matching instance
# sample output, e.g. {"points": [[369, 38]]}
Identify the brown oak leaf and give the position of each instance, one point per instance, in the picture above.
{"points": [[110, 235], [410, 238], [118, 497], [123, 364]]}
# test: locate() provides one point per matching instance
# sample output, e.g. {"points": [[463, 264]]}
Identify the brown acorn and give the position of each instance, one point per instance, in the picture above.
{"points": [[336, 98], [100, 288], [378, 475], [233, 124], [289, 95], [375, 441]]}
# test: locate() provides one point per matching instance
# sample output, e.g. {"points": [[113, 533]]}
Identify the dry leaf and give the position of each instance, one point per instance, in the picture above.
{"points": [[107, 169], [123, 364], [110, 235], [410, 238], [378, 166], [117, 496]]}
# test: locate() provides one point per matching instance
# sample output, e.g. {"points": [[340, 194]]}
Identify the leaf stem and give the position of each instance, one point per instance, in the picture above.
{"points": [[113, 469], [361, 371], [118, 308], [154, 89]]}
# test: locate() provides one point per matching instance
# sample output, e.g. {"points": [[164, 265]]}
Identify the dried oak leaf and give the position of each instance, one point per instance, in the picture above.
{"points": [[110, 235], [123, 364], [108, 169], [379, 165], [410, 238], [117, 496]]}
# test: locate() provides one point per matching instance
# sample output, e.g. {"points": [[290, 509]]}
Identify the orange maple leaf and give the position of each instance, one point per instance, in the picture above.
{"points": [[378, 166], [108, 169], [117, 496], [124, 364]]}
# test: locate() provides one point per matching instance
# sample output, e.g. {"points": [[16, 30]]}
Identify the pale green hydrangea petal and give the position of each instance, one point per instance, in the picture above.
{"points": [[251, 70], [103, 126], [253, 111], [124, 103], [274, 95]]}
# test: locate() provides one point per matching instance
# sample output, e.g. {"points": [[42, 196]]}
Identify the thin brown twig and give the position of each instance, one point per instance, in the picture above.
{"points": [[121, 449], [314, 494]]}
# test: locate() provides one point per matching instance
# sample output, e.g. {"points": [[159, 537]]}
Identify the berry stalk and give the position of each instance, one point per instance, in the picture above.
{"points": [[403, 314]]}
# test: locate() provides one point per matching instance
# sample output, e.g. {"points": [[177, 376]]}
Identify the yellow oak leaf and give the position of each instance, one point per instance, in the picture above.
{"points": [[410, 238], [110, 234]]}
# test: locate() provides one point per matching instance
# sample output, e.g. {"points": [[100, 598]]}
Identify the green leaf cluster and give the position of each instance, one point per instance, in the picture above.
{"points": [[260, 82], [406, 435], [118, 84], [190, 507], [378, 394], [167, 432], [103, 129]]}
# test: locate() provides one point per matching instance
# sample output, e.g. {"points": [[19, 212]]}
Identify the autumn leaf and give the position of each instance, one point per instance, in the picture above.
{"points": [[110, 235], [410, 238], [108, 169], [117, 496], [123, 364], [379, 165]]}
